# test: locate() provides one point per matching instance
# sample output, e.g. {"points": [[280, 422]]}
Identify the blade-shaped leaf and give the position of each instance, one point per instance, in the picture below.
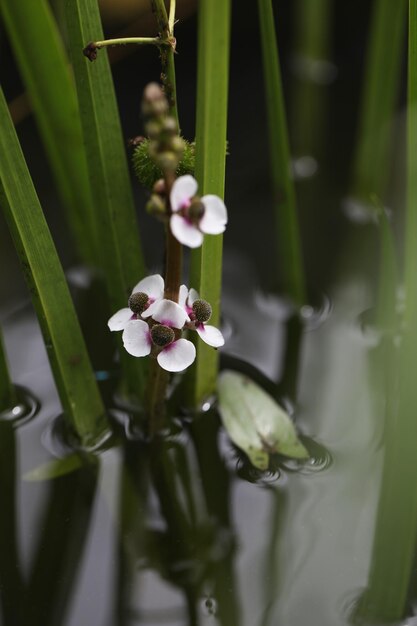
{"points": [[255, 422], [59, 467]]}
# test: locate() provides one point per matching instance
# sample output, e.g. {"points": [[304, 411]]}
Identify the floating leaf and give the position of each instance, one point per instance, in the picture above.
{"points": [[255, 422], [58, 467]]}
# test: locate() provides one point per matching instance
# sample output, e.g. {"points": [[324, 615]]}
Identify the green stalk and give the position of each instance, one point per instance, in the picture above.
{"points": [[7, 391], [287, 232], [106, 156], [45, 70], [212, 97], [385, 599], [313, 21], [70, 363], [379, 97], [166, 30]]}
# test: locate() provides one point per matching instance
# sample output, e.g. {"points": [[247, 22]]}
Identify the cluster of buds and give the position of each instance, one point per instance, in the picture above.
{"points": [[166, 146], [154, 326]]}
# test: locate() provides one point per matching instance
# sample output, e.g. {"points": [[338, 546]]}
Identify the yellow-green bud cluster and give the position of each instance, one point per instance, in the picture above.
{"points": [[165, 146]]}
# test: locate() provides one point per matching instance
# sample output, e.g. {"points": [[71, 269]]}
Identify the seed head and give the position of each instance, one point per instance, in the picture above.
{"points": [[202, 310], [162, 335], [138, 302], [196, 211]]}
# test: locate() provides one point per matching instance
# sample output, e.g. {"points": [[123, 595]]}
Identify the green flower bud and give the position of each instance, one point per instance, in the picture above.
{"points": [[156, 205], [162, 335], [167, 161], [138, 302], [202, 310]]}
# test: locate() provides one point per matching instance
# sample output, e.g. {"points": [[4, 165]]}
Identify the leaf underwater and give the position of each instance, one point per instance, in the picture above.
{"points": [[255, 422], [58, 467]]}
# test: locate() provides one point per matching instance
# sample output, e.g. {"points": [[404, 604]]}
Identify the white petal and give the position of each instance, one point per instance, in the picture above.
{"points": [[214, 219], [177, 356], [193, 296], [119, 320], [151, 308], [185, 233], [184, 188], [182, 296], [137, 338], [210, 335], [170, 313], [153, 286]]}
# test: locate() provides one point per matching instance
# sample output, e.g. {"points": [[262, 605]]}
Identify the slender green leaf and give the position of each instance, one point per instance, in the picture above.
{"points": [[7, 391], [379, 97], [287, 232], [212, 96], [313, 71], [45, 70], [117, 225], [43, 272], [393, 555], [255, 422], [388, 274]]}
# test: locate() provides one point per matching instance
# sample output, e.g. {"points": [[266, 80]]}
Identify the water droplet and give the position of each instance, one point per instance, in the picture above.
{"points": [[314, 316], [25, 409], [304, 167], [320, 459]]}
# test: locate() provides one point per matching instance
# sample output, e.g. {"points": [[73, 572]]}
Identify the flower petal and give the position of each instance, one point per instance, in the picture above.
{"points": [[214, 219], [151, 309], [153, 286], [119, 320], [192, 296], [170, 313], [184, 188], [210, 335], [184, 232], [183, 294], [137, 338], [177, 356]]}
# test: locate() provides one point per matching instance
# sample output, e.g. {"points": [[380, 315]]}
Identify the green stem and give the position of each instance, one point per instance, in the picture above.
{"points": [[7, 390], [166, 30], [212, 97], [287, 232], [156, 396], [411, 210], [380, 94]]}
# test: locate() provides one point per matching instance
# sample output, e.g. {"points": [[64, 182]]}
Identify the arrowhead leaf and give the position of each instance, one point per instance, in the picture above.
{"points": [[255, 422]]}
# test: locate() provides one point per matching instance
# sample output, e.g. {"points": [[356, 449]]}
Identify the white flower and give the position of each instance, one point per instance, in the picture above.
{"points": [[153, 288], [174, 353], [199, 312], [192, 217]]}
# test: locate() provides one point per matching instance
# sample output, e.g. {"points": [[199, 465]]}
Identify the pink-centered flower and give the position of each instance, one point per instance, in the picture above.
{"points": [[174, 353], [199, 312], [192, 217], [144, 298]]}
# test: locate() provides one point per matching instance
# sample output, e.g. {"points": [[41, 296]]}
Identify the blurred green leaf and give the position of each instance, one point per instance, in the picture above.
{"points": [[58, 467], [255, 422]]}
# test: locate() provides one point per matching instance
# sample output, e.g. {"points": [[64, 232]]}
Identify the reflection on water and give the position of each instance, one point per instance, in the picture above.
{"points": [[183, 531]]}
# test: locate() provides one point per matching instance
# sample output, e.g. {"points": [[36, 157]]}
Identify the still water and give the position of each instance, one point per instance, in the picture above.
{"points": [[184, 531]]}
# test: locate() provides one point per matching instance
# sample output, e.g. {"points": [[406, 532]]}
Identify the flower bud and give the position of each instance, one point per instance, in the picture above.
{"points": [[156, 205], [159, 187], [138, 302], [202, 310], [167, 161], [154, 101], [162, 335]]}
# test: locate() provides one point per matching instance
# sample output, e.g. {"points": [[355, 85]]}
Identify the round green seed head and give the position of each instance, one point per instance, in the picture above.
{"points": [[202, 310], [138, 302], [162, 335]]}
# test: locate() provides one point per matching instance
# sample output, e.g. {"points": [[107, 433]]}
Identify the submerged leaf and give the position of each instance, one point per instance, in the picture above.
{"points": [[255, 422], [57, 467]]}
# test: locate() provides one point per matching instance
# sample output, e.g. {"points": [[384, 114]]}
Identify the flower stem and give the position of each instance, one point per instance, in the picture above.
{"points": [[166, 29], [155, 399], [157, 41]]}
